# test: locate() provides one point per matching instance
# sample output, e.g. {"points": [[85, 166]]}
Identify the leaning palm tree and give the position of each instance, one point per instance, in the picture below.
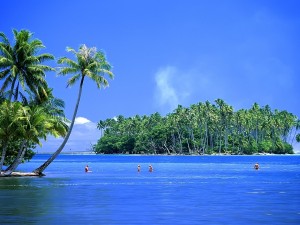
{"points": [[20, 66], [89, 63], [11, 115], [36, 124]]}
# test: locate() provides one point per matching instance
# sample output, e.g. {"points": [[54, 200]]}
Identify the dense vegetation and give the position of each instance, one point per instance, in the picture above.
{"points": [[202, 128], [28, 110]]}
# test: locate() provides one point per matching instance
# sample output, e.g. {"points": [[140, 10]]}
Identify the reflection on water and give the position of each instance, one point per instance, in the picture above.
{"points": [[181, 190]]}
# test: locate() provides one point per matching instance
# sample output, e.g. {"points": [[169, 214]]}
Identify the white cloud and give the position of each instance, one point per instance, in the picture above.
{"points": [[83, 135], [167, 93], [81, 120], [172, 88]]}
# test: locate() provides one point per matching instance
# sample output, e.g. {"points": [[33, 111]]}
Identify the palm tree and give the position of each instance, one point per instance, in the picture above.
{"points": [[11, 114], [54, 107], [20, 65], [36, 124], [90, 63]]}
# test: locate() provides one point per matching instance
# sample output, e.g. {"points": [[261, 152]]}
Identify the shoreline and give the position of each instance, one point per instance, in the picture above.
{"points": [[20, 174], [222, 154]]}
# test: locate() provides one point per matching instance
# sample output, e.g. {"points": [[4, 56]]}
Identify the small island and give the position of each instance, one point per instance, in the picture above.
{"points": [[201, 129]]}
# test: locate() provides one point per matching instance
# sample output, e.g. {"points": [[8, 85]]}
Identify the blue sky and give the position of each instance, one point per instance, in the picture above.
{"points": [[166, 53]]}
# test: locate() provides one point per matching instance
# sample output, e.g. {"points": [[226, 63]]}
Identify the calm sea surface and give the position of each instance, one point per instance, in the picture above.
{"points": [[181, 190]]}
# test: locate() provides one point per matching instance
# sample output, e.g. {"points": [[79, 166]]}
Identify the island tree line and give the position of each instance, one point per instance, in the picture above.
{"points": [[203, 128]]}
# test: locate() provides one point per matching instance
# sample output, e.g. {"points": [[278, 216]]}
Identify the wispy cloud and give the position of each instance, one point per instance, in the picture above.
{"points": [[172, 88], [84, 134]]}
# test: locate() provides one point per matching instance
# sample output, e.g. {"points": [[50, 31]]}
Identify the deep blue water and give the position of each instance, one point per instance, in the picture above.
{"points": [[181, 190]]}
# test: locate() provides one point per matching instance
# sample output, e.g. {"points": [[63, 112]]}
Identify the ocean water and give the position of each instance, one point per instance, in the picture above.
{"points": [[181, 190]]}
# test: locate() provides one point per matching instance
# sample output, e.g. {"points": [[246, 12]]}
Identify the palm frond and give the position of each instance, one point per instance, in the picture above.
{"points": [[44, 57], [41, 68], [69, 62], [30, 60], [69, 49], [73, 80], [5, 62], [67, 70], [6, 51], [100, 80], [87, 72], [4, 38], [104, 71]]}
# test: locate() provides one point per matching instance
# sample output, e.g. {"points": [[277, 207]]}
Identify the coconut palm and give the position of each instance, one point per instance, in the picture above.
{"points": [[36, 124], [20, 65], [11, 114], [54, 107], [89, 63]]}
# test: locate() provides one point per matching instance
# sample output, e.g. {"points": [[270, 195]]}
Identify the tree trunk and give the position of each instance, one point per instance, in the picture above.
{"points": [[17, 161], [180, 141], [17, 157], [166, 147], [40, 169]]}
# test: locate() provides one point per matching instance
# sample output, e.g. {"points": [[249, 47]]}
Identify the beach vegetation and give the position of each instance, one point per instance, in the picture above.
{"points": [[202, 128], [88, 63], [28, 110]]}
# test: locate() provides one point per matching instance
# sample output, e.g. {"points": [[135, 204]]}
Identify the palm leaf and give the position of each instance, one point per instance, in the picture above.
{"points": [[68, 62], [44, 57], [73, 80]]}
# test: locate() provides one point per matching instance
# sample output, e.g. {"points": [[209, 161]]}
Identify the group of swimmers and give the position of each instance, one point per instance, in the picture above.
{"points": [[256, 167], [150, 168], [86, 169]]}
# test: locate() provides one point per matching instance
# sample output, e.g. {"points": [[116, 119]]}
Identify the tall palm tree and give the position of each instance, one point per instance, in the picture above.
{"points": [[89, 63], [20, 65]]}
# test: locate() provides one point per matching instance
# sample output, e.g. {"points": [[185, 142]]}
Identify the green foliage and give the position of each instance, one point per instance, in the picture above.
{"points": [[107, 145], [12, 151], [28, 110], [265, 146], [20, 65], [203, 128]]}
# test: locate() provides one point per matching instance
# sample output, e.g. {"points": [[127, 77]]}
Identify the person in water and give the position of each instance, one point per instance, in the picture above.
{"points": [[86, 169], [139, 168], [256, 166], [150, 168]]}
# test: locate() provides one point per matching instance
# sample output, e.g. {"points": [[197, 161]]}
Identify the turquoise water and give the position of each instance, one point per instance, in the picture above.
{"points": [[180, 190]]}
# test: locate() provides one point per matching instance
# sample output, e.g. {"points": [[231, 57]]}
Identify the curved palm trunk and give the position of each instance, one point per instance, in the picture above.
{"points": [[17, 161], [40, 169], [18, 158]]}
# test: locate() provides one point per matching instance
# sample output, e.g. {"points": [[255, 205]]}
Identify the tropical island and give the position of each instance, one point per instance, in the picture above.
{"points": [[202, 128], [29, 112]]}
